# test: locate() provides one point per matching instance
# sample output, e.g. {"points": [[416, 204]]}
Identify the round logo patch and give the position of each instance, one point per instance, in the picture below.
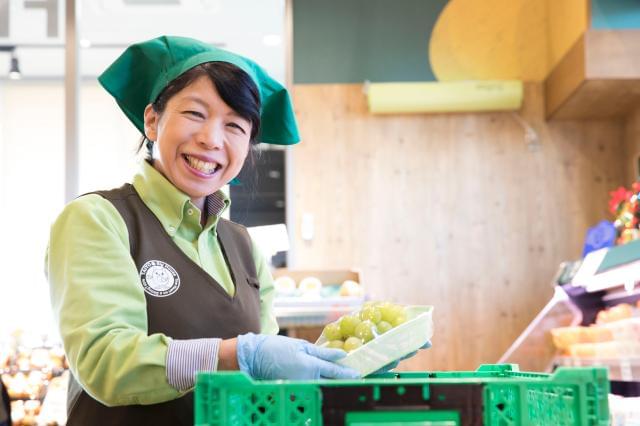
{"points": [[159, 278]]}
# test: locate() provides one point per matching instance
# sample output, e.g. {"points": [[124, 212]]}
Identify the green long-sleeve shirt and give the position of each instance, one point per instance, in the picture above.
{"points": [[99, 303]]}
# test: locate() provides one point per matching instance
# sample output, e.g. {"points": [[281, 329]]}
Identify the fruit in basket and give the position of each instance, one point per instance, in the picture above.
{"points": [[400, 318], [615, 313], [336, 344], [364, 331], [348, 324], [563, 337], [352, 343], [371, 313], [332, 332], [390, 311], [383, 327], [358, 328], [285, 285], [351, 288], [310, 285]]}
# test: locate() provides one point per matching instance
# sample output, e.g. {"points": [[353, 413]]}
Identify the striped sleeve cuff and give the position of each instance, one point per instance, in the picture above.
{"points": [[186, 357]]}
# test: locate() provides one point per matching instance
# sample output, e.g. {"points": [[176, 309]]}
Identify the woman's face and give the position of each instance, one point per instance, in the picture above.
{"points": [[201, 142]]}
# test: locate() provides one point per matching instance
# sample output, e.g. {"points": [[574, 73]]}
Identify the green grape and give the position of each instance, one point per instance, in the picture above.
{"points": [[364, 331], [371, 313], [332, 331], [383, 327], [370, 304], [348, 324], [390, 311], [352, 343], [399, 319], [337, 344]]}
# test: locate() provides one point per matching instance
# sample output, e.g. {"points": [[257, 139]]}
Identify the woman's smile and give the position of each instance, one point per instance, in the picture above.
{"points": [[201, 167]]}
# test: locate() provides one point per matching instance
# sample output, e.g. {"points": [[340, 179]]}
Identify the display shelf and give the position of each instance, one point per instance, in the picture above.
{"points": [[316, 308], [610, 269], [582, 289], [300, 312], [533, 350]]}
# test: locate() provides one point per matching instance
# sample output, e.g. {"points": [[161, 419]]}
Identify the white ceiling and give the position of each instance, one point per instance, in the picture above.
{"points": [[108, 26]]}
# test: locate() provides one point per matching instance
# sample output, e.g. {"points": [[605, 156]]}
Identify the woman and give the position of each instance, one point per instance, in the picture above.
{"points": [[148, 283]]}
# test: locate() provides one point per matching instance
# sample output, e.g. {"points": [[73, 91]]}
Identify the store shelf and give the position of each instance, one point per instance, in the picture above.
{"points": [[610, 269], [301, 312], [584, 289], [534, 350]]}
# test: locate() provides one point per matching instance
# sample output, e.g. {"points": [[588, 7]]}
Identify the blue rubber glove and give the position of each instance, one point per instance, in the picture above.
{"points": [[265, 356], [394, 364]]}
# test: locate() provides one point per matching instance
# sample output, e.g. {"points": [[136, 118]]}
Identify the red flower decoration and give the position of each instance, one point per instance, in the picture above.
{"points": [[618, 196]]}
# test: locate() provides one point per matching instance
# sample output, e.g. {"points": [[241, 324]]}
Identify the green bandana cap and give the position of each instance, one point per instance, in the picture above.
{"points": [[138, 76]]}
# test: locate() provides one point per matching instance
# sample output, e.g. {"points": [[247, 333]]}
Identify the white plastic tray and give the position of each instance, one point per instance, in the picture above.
{"points": [[392, 345]]}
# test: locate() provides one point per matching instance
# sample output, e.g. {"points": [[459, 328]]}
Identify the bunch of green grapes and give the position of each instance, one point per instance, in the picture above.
{"points": [[354, 330]]}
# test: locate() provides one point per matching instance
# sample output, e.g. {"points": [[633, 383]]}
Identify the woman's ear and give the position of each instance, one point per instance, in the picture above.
{"points": [[150, 123]]}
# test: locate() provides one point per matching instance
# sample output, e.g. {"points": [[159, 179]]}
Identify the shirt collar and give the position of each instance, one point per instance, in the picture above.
{"points": [[167, 202]]}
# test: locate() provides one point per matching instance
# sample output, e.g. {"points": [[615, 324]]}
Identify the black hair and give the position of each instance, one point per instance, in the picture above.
{"points": [[235, 87]]}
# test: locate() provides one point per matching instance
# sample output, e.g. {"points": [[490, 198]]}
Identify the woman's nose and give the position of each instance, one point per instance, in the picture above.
{"points": [[212, 136]]}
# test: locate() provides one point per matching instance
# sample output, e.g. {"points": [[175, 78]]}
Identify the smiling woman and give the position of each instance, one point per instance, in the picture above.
{"points": [[149, 284], [203, 124]]}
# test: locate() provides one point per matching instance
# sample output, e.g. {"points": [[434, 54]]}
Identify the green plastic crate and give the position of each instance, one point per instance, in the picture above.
{"points": [[495, 395]]}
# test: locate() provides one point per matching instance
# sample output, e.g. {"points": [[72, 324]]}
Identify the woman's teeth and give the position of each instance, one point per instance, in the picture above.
{"points": [[202, 166]]}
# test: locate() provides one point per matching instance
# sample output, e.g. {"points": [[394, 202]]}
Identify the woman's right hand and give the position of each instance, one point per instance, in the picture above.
{"points": [[278, 357]]}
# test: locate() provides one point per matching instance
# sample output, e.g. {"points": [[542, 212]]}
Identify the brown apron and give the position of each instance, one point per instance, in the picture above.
{"points": [[199, 308]]}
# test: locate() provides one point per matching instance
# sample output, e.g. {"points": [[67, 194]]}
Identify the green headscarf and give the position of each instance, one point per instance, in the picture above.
{"points": [[140, 74]]}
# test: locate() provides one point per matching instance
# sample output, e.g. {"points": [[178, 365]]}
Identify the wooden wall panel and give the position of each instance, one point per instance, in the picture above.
{"points": [[632, 146], [451, 210]]}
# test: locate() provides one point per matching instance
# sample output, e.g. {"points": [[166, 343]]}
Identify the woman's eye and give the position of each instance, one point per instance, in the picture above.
{"points": [[237, 126], [195, 114]]}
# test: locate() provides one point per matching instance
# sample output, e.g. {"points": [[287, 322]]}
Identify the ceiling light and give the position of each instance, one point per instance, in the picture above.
{"points": [[272, 40], [14, 69], [84, 43]]}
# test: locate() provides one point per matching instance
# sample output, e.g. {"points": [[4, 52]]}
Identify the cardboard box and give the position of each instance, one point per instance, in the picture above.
{"points": [[306, 317]]}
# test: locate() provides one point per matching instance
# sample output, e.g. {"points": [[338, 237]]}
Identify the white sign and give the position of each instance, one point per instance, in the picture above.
{"points": [[31, 21]]}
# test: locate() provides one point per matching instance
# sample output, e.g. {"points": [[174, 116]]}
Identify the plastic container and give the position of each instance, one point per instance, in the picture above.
{"points": [[565, 337], [613, 349], [628, 329], [623, 330], [392, 345], [494, 395]]}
